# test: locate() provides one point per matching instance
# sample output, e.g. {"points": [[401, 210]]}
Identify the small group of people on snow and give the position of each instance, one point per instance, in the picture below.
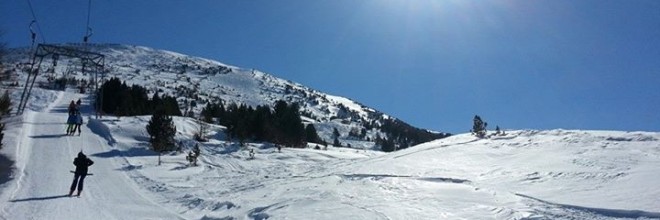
{"points": [[82, 162], [75, 119]]}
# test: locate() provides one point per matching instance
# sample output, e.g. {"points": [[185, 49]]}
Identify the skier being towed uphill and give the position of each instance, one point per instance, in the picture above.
{"points": [[82, 163]]}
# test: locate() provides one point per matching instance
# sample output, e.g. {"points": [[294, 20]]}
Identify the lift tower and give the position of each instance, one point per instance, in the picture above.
{"points": [[95, 62]]}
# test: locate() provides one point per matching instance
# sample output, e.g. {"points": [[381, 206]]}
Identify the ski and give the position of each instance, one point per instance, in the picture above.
{"points": [[88, 174]]}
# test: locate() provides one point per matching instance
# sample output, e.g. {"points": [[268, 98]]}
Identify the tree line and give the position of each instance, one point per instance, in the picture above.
{"points": [[281, 125], [121, 100], [402, 135]]}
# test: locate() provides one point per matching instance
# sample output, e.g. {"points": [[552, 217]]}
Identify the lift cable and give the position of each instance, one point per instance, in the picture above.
{"points": [[34, 20], [32, 33], [88, 30]]}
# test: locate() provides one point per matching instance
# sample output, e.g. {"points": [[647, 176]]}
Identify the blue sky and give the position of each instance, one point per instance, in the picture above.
{"points": [[541, 64]]}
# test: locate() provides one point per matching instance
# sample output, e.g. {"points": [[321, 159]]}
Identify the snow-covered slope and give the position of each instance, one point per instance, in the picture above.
{"points": [[36, 141], [200, 81], [525, 174]]}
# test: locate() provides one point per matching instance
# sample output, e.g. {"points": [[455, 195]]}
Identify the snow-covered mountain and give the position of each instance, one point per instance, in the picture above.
{"points": [[525, 174], [197, 81]]}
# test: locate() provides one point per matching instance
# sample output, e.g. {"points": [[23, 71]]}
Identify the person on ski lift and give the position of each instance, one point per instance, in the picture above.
{"points": [[72, 107], [71, 121], [82, 163], [79, 121]]}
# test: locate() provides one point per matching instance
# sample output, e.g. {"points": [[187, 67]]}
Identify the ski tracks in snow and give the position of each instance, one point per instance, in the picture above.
{"points": [[43, 159], [547, 209]]}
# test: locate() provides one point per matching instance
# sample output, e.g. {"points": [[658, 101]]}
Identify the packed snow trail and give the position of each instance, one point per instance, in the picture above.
{"points": [[44, 159]]}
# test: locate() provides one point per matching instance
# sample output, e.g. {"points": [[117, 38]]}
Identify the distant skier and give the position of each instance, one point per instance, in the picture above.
{"points": [[82, 163], [192, 159], [79, 121], [72, 107], [71, 121]]}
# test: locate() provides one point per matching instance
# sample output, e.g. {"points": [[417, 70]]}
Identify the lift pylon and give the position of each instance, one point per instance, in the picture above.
{"points": [[94, 62]]}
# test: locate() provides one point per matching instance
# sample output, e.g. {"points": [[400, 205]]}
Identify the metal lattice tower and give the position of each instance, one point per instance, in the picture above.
{"points": [[94, 62]]}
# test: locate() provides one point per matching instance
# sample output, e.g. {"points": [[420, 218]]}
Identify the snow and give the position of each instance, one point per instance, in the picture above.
{"points": [[41, 179], [525, 174]]}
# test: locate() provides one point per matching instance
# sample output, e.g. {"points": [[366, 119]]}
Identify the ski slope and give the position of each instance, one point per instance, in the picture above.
{"points": [[44, 158], [525, 174]]}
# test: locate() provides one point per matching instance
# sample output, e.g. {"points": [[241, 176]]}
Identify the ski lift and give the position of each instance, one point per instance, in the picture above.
{"points": [[33, 34], [89, 34]]}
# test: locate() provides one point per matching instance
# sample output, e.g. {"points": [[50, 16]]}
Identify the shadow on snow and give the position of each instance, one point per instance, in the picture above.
{"points": [[132, 152], [49, 136], [40, 198], [5, 169], [382, 176], [616, 213], [97, 127]]}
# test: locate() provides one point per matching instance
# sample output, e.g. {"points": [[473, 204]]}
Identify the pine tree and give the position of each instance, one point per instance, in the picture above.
{"points": [[311, 135], [479, 126], [203, 129], [354, 132], [335, 133], [161, 130], [336, 142], [388, 146], [111, 91], [171, 106], [287, 120], [157, 103]]}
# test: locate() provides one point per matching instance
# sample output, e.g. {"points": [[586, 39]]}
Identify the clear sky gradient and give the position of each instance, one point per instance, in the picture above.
{"points": [[542, 64]]}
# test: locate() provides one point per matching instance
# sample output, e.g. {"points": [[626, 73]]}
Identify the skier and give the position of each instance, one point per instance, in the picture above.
{"points": [[82, 163], [192, 158], [70, 129], [78, 104], [79, 121], [72, 107]]}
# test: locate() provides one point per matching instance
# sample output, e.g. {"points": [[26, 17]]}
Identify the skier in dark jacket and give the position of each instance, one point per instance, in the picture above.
{"points": [[82, 163], [71, 122], [79, 122], [72, 107]]}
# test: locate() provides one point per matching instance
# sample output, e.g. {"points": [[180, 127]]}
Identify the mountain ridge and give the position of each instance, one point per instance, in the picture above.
{"points": [[196, 81]]}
